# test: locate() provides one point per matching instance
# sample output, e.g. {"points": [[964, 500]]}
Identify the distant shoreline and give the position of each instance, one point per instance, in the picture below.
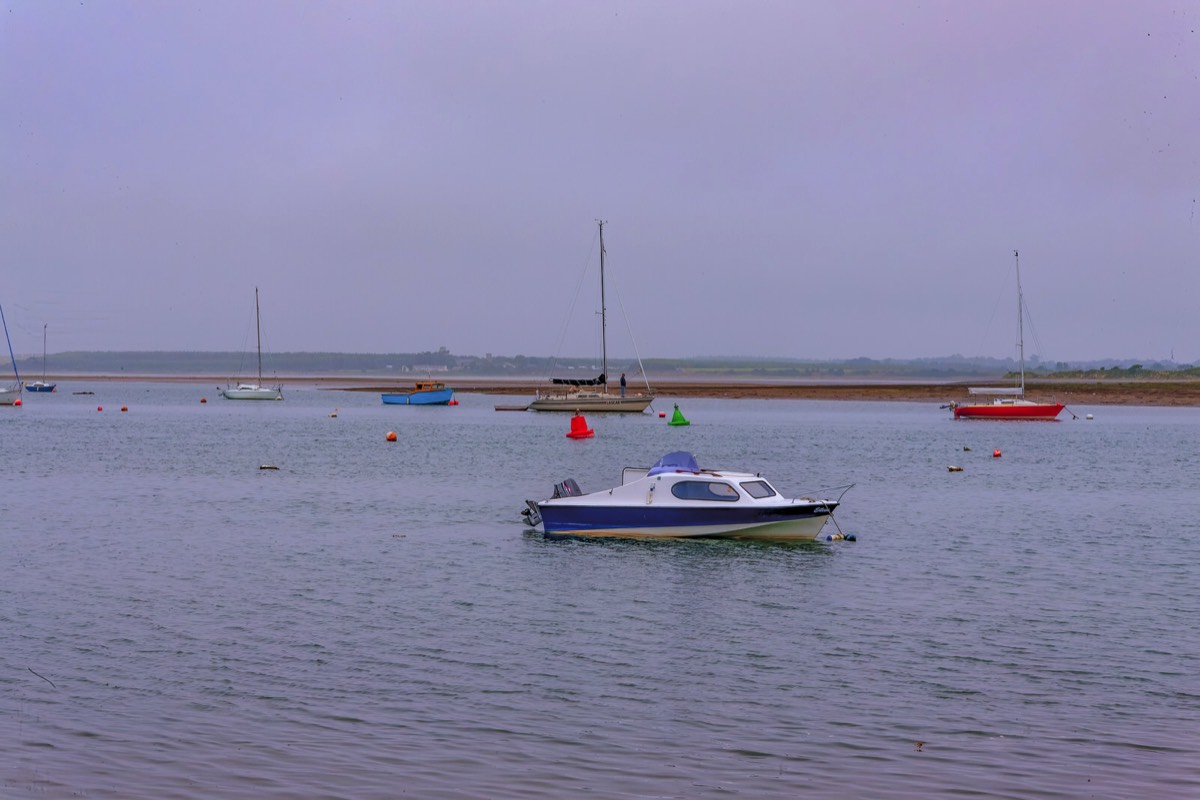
{"points": [[1183, 392]]}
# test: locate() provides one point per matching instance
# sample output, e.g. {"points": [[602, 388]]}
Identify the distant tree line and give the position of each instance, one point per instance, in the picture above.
{"points": [[232, 364]]}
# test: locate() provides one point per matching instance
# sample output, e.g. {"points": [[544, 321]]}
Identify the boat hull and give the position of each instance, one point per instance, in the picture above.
{"points": [[434, 397], [9, 395], [591, 402], [799, 520], [1013, 411], [253, 393]]}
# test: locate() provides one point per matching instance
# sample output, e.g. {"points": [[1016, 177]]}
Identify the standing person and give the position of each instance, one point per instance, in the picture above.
{"points": [[622, 384]]}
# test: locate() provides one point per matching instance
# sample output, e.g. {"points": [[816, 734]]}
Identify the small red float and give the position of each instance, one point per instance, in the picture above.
{"points": [[996, 453], [391, 436]]}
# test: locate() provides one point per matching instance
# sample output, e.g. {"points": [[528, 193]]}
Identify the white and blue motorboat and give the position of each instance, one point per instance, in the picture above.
{"points": [[677, 499], [425, 393]]}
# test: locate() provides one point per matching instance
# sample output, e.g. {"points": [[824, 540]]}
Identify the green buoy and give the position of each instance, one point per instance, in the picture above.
{"points": [[677, 418]]}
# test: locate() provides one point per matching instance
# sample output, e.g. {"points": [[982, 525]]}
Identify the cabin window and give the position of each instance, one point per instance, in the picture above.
{"points": [[704, 490], [758, 489]]}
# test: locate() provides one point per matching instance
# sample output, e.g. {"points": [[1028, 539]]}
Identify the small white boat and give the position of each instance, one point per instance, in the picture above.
{"points": [[677, 499]]}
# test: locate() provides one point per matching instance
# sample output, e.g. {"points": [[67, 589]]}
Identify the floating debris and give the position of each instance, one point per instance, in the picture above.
{"points": [[267, 466]]}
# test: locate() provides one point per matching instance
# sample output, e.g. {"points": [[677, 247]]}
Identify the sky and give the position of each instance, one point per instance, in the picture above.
{"points": [[816, 179]]}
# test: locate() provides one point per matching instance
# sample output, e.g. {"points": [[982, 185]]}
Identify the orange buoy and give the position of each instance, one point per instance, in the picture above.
{"points": [[579, 428], [996, 453], [124, 408], [17, 402], [391, 436]]}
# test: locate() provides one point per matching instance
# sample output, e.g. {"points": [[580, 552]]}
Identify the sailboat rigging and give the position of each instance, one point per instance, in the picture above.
{"points": [[591, 394], [1011, 404], [10, 395], [254, 391], [42, 385]]}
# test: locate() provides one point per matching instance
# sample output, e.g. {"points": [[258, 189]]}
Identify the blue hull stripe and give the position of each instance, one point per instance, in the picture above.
{"points": [[566, 518]]}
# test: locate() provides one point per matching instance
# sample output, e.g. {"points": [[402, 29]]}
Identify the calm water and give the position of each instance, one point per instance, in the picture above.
{"points": [[371, 620]]}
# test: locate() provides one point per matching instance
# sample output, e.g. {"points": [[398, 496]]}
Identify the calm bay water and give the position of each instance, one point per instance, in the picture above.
{"points": [[371, 620]]}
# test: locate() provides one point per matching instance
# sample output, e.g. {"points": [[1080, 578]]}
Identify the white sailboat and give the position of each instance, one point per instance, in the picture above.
{"points": [[591, 394], [10, 395], [254, 391], [42, 385]]}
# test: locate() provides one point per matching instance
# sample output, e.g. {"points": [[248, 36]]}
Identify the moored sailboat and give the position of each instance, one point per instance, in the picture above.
{"points": [[254, 391], [1009, 402], [592, 394], [42, 385], [10, 395]]}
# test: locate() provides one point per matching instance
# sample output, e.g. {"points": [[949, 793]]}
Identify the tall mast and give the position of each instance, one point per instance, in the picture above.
{"points": [[1020, 322], [44, 351], [603, 314], [258, 329]]}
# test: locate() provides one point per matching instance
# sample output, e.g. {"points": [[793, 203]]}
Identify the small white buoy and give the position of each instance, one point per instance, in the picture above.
{"points": [[1089, 416], [267, 466], [953, 468], [334, 414]]}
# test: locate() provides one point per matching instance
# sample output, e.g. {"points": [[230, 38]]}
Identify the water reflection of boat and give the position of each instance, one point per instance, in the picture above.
{"points": [[677, 499], [425, 393], [1009, 402]]}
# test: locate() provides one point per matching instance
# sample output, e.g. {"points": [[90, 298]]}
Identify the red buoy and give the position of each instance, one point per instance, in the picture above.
{"points": [[99, 408], [662, 414], [124, 408], [17, 402], [391, 436], [579, 428], [203, 399], [995, 453]]}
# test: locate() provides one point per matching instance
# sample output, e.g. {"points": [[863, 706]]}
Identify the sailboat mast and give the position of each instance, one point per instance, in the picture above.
{"points": [[603, 315], [1020, 322], [46, 325], [258, 329]]}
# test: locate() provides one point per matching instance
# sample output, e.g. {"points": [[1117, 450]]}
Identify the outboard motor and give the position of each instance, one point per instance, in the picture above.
{"points": [[567, 488]]}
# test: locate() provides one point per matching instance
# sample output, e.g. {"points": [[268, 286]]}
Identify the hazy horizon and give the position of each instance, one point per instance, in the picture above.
{"points": [[820, 180]]}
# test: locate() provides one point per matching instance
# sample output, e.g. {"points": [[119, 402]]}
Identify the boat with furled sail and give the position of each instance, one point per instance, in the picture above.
{"points": [[254, 391], [42, 385], [1009, 402], [592, 394]]}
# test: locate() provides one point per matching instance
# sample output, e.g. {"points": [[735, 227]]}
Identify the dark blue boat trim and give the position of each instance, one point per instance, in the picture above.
{"points": [[568, 518]]}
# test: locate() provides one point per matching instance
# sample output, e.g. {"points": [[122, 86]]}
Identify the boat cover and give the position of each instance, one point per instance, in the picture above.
{"points": [[674, 462], [580, 381]]}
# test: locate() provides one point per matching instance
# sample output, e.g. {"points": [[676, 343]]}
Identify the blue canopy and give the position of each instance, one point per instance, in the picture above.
{"points": [[672, 462]]}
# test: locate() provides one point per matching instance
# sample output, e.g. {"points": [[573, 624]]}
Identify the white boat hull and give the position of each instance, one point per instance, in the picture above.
{"points": [[249, 392], [591, 402], [9, 395]]}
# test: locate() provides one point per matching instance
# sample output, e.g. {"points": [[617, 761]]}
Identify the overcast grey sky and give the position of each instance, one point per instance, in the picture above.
{"points": [[806, 179]]}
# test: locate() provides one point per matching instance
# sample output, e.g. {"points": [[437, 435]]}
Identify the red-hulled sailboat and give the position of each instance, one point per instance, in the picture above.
{"points": [[1009, 402]]}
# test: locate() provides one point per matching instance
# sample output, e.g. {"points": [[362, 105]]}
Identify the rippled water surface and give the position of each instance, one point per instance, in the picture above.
{"points": [[371, 620]]}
